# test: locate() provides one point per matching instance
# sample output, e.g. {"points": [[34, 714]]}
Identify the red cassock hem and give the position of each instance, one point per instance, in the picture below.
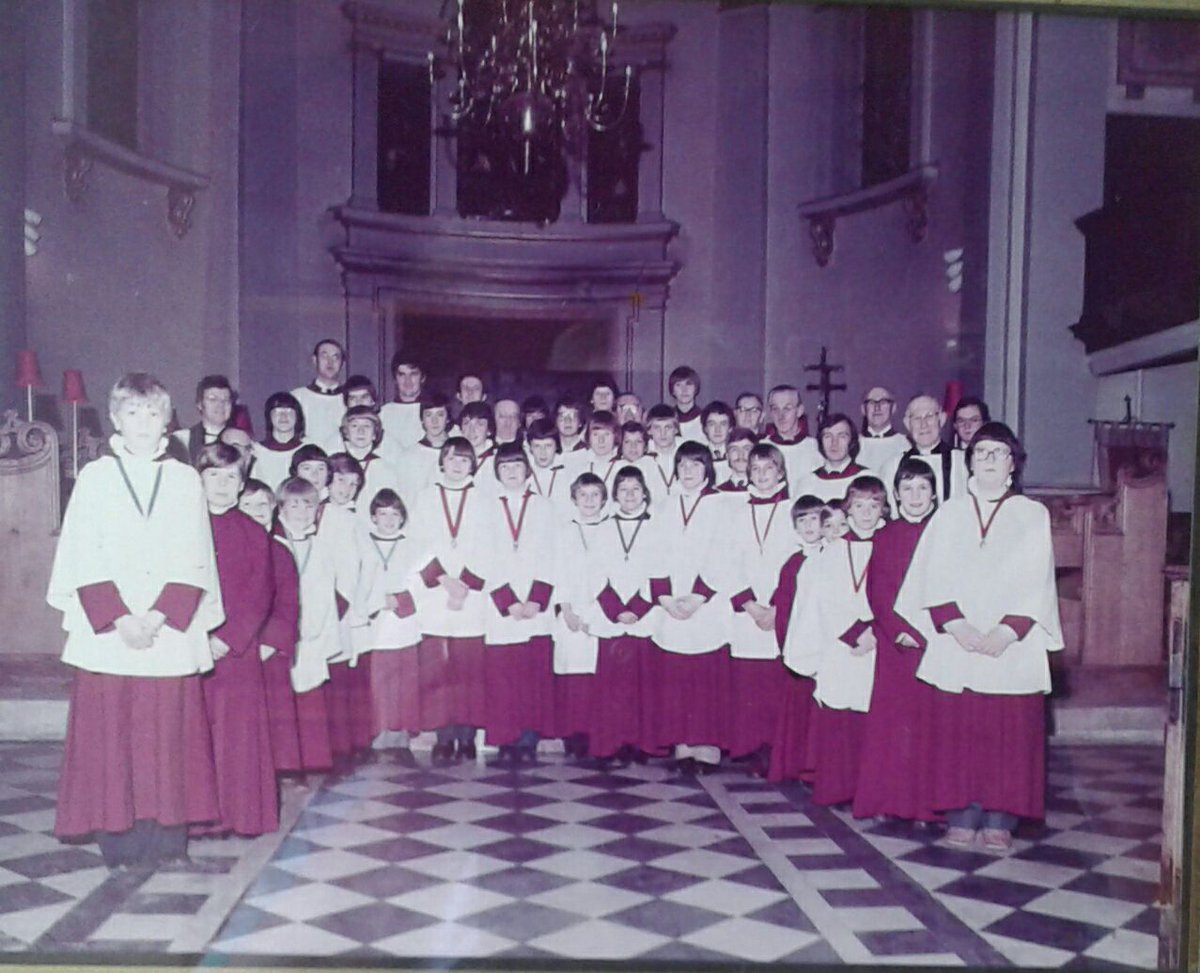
{"points": [[395, 685], [137, 748], [838, 735], [617, 701], [790, 757], [348, 698], [282, 720], [452, 687], [755, 694], [520, 689], [685, 698]]}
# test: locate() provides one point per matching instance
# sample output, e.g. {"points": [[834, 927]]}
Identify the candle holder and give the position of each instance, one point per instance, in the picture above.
{"points": [[29, 377], [75, 394]]}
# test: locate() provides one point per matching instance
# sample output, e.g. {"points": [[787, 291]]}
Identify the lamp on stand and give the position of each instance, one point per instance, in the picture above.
{"points": [[29, 377], [75, 394]]}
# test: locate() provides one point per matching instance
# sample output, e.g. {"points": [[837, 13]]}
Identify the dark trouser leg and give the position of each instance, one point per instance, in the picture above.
{"points": [[120, 848], [166, 843], [969, 817]]}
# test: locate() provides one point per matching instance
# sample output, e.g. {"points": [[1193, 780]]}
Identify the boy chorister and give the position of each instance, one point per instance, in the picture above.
{"points": [[791, 755], [737, 452], [136, 580], [285, 435], [663, 428], [234, 693], [602, 456], [683, 385], [568, 420], [575, 646], [277, 640], [831, 639], [384, 598], [477, 425], [547, 473], [758, 541], [519, 652], [418, 464], [627, 555], [362, 438], [448, 521], [685, 692], [716, 419], [319, 641], [837, 440]]}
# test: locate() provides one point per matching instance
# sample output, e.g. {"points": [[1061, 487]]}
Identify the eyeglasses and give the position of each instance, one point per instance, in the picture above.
{"points": [[999, 452], [879, 401], [924, 417]]}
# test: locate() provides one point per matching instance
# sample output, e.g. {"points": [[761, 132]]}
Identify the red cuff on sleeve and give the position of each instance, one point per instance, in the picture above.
{"points": [[472, 581], [342, 605], [504, 598], [540, 593], [103, 605], [854, 633], [639, 606], [1021, 624], [741, 599], [405, 606], [610, 603], [659, 587], [431, 572], [179, 603], [943, 614], [702, 589]]}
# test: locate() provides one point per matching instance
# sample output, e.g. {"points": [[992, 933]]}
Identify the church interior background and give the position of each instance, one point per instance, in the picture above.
{"points": [[1002, 202]]}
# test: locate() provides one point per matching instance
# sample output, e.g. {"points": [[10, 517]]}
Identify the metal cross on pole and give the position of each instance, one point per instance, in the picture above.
{"points": [[824, 386]]}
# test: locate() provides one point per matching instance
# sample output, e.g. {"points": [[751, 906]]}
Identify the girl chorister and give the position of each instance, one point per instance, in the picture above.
{"points": [[285, 435]]}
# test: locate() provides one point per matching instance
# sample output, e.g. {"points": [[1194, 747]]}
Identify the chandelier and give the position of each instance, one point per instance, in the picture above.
{"points": [[540, 73]]}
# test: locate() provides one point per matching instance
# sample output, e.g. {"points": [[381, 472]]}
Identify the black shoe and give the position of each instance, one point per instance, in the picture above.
{"points": [[640, 756], [464, 751], [443, 754], [704, 769], [506, 757], [686, 766], [624, 756], [404, 757], [527, 754]]}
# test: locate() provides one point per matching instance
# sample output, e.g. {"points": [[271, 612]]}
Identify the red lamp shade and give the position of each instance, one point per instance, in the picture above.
{"points": [[73, 390], [28, 374], [953, 395]]}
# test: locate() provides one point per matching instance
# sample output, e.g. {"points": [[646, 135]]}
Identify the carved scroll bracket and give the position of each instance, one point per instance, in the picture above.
{"points": [[910, 189], [84, 147]]}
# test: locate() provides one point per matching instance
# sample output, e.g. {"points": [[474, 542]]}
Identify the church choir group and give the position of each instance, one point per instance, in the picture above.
{"points": [[861, 609]]}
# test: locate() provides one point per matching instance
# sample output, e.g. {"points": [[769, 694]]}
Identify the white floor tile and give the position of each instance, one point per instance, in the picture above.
{"points": [[445, 939], [778, 819], [728, 898], [343, 834], [450, 900], [590, 899], [293, 939], [27, 843], [582, 864], [141, 926], [563, 790], [915, 960], [467, 790], [891, 846], [1145, 871], [976, 914], [567, 812], [353, 809], [686, 835], [33, 820], [78, 883], [599, 939], [1022, 953], [851, 878], [673, 812], [701, 862], [657, 791], [573, 835], [460, 836], [455, 866], [367, 787], [1097, 910], [1031, 873], [928, 876], [759, 942], [462, 811], [1127, 946], [324, 866], [1095, 844], [806, 846], [28, 924], [304, 902], [878, 918]]}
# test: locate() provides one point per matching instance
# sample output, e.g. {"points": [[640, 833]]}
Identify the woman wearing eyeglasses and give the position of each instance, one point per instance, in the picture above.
{"points": [[981, 592]]}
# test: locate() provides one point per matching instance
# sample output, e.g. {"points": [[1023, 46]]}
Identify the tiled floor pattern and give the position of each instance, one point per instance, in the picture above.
{"points": [[564, 861]]}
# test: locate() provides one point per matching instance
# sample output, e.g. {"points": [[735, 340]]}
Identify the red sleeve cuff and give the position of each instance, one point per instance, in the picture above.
{"points": [[540, 593], [741, 599], [610, 603], [504, 598], [639, 606], [103, 605], [405, 606], [431, 572], [472, 581], [944, 614], [854, 633], [702, 589], [179, 603], [659, 587], [1021, 624]]}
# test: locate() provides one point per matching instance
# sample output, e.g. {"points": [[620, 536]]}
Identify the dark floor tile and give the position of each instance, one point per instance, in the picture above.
{"points": [[819, 954], [517, 822], [272, 879], [770, 807], [383, 883], [526, 952], [999, 891], [649, 880], [368, 923], [860, 897], [519, 882], [625, 823], [293, 846], [1054, 855], [1093, 965], [398, 849], [515, 801], [1150, 851], [941, 856], [607, 782], [720, 822], [165, 903], [122, 947], [783, 913], [813, 862], [53, 863], [1148, 921], [414, 800], [616, 801], [423, 777], [23, 805], [6, 829], [666, 918], [733, 846], [29, 895], [757, 876], [246, 919], [896, 828], [1118, 829], [518, 850], [1114, 887], [637, 849], [899, 942], [408, 822], [1059, 933], [520, 920], [685, 955], [90, 912]]}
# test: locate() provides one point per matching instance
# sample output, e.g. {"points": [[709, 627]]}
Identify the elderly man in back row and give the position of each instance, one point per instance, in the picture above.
{"points": [[879, 442], [924, 419]]}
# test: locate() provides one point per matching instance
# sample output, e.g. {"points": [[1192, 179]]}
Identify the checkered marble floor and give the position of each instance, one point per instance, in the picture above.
{"points": [[562, 861]]}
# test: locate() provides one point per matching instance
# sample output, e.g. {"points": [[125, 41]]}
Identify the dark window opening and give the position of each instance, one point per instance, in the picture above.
{"points": [[887, 93], [404, 140], [112, 70], [612, 161]]}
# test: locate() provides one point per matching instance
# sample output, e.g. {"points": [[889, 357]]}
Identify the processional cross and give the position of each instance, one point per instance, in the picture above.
{"points": [[825, 386]]}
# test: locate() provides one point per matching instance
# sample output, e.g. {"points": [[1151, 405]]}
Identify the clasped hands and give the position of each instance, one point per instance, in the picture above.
{"points": [[972, 640], [763, 615], [681, 608], [139, 631]]}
